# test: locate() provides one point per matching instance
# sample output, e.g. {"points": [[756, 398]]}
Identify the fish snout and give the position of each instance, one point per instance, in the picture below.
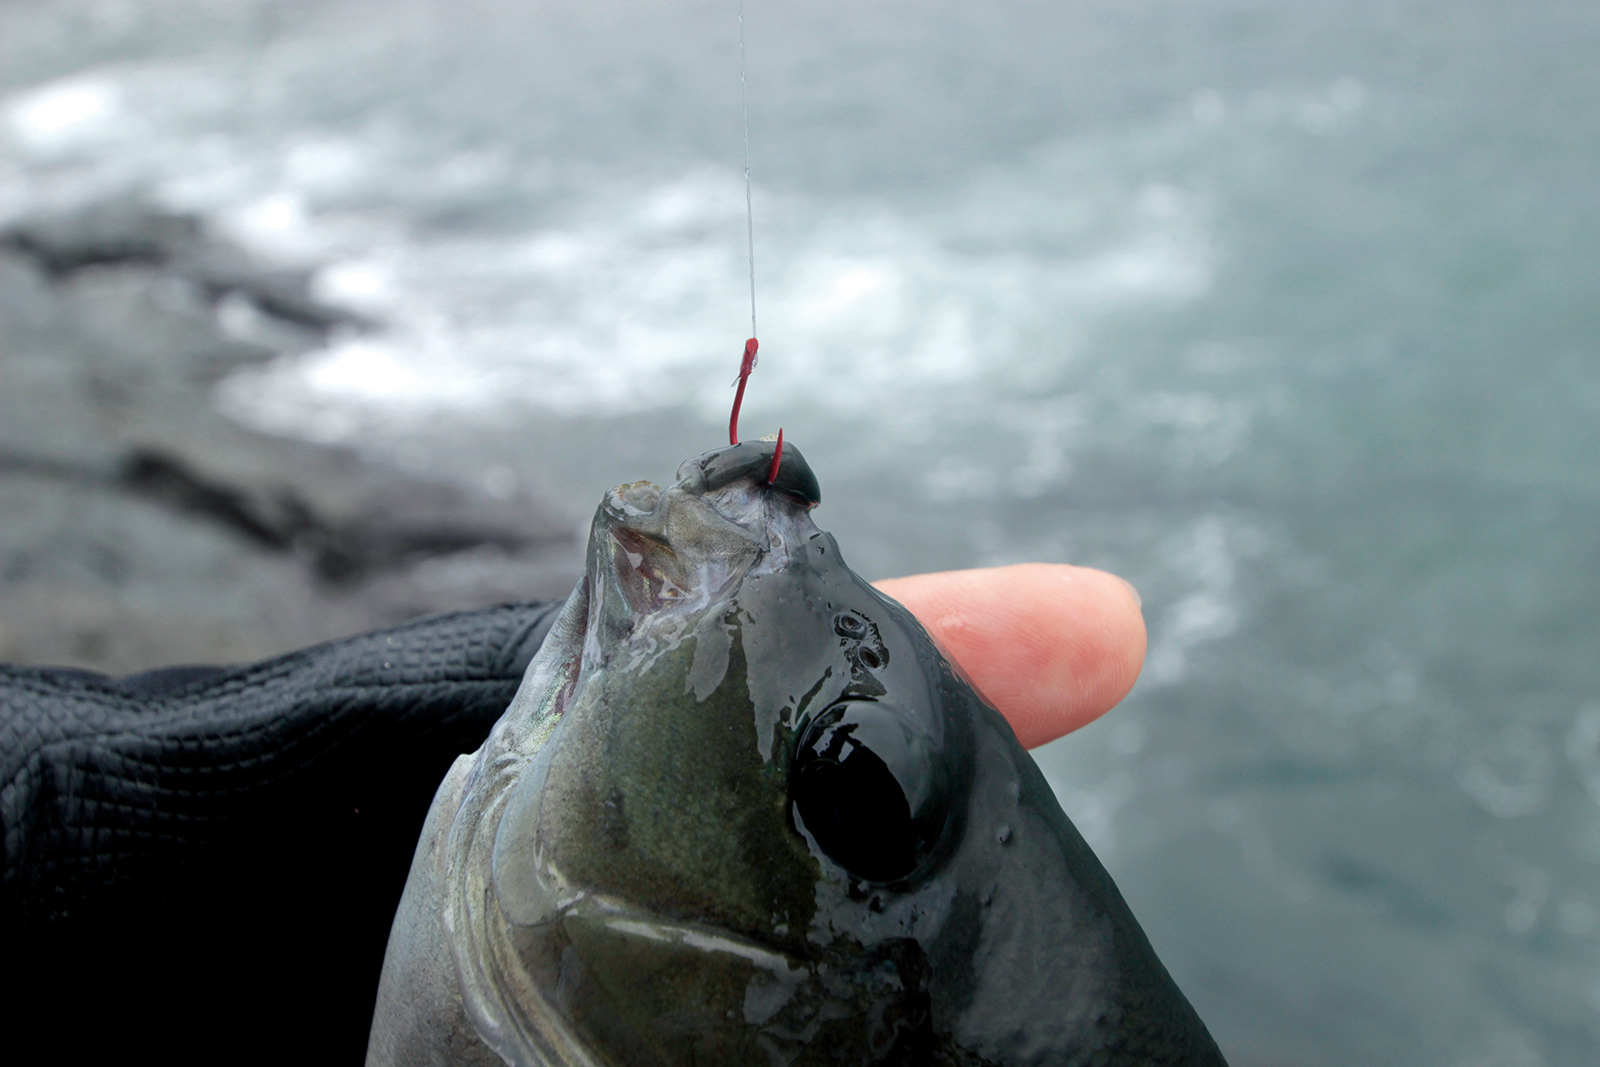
{"points": [[699, 536], [752, 460]]}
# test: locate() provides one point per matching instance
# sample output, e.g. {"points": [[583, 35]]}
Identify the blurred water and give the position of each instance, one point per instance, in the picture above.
{"points": [[1286, 311]]}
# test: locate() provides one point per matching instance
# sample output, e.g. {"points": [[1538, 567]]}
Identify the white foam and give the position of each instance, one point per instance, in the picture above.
{"points": [[64, 114], [636, 301], [1207, 555]]}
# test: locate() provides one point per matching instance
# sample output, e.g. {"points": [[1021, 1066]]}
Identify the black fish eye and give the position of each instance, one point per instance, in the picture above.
{"points": [[872, 793]]}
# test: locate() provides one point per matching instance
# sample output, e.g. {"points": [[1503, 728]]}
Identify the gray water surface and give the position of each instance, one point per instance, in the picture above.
{"points": [[1287, 311]]}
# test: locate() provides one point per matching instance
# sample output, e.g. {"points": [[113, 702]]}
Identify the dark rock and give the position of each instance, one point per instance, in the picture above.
{"points": [[140, 527], [129, 233]]}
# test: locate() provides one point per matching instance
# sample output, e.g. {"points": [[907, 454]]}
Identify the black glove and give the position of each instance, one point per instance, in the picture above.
{"points": [[201, 863]]}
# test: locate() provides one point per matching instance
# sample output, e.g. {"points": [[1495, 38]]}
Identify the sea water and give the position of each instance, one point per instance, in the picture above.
{"points": [[1287, 311]]}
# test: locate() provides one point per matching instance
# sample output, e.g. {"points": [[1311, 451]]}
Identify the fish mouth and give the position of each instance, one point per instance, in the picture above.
{"points": [[662, 551], [657, 557]]}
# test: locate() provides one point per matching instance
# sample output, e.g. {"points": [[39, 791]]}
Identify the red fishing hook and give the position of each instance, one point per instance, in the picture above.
{"points": [[777, 458], [746, 365]]}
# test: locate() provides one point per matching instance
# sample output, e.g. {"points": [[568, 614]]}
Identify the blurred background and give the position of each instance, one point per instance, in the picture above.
{"points": [[318, 314]]}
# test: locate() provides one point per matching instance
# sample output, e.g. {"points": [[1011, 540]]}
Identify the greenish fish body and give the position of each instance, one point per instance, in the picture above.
{"points": [[742, 811]]}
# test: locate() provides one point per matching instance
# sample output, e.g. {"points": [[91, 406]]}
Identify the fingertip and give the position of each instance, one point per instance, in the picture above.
{"points": [[1052, 646]]}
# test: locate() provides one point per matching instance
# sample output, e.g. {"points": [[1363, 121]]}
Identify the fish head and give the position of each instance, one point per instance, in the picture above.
{"points": [[735, 675], [744, 810]]}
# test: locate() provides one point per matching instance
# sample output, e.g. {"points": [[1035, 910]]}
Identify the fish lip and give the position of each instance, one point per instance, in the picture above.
{"points": [[633, 501]]}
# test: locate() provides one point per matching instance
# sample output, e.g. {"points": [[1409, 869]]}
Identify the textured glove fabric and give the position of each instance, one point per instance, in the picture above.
{"points": [[201, 863]]}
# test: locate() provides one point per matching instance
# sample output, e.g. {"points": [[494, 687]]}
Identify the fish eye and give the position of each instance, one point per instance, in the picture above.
{"points": [[872, 793]]}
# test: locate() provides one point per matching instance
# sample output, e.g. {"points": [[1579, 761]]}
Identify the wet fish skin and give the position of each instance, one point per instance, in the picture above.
{"points": [[667, 852]]}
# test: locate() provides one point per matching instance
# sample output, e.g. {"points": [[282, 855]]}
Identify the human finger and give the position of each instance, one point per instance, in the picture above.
{"points": [[1053, 647]]}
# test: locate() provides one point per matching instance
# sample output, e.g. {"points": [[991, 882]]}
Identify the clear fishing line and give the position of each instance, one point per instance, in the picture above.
{"points": [[748, 362], [749, 211]]}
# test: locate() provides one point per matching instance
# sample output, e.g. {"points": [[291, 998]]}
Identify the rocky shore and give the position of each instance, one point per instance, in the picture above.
{"points": [[140, 527]]}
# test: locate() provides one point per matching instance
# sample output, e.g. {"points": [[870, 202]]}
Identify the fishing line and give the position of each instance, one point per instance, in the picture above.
{"points": [[748, 362], [749, 211]]}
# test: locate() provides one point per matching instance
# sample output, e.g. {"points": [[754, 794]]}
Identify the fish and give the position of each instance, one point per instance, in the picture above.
{"points": [[744, 810]]}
